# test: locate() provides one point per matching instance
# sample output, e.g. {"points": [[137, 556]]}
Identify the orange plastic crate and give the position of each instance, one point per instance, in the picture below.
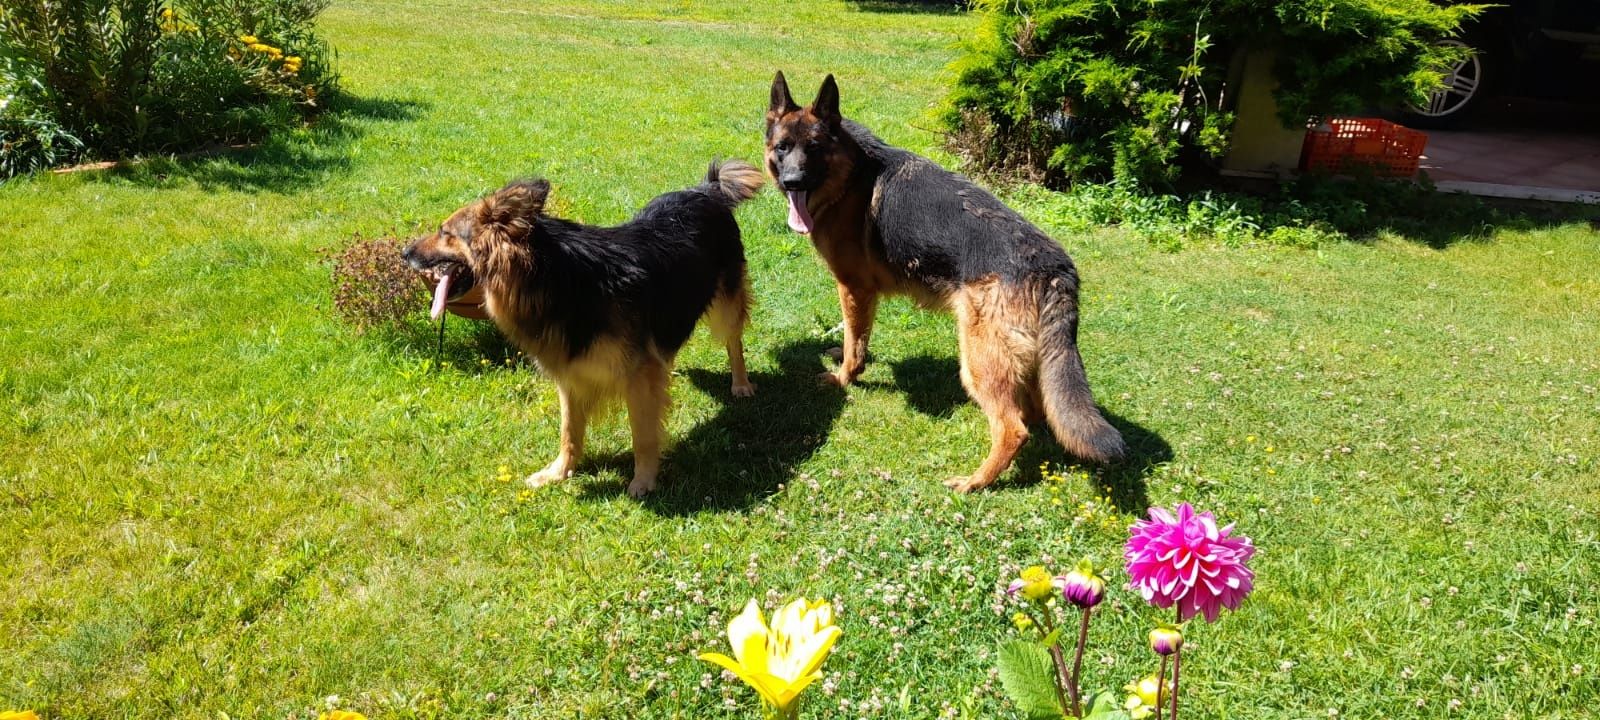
{"points": [[1363, 144]]}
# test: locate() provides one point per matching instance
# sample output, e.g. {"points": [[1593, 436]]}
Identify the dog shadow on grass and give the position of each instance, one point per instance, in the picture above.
{"points": [[932, 386], [751, 446]]}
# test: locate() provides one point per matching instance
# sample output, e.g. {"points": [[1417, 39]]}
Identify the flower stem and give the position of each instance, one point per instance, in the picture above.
{"points": [[1177, 662], [1161, 683], [1076, 681], [1070, 710], [1044, 629], [1046, 626]]}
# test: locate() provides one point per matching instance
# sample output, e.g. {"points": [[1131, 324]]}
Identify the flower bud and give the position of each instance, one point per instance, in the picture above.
{"points": [[1083, 587], [1166, 640], [1145, 696], [1022, 621], [1034, 584]]}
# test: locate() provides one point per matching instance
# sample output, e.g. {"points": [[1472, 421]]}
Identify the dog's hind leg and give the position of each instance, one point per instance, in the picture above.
{"points": [[994, 372], [727, 318], [647, 411], [575, 407]]}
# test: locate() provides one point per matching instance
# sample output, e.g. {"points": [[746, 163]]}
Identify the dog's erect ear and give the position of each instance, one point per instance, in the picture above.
{"points": [[519, 201], [782, 102], [826, 106]]}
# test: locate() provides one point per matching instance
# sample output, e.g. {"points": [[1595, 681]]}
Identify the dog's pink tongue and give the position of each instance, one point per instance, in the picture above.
{"points": [[441, 293], [799, 214]]}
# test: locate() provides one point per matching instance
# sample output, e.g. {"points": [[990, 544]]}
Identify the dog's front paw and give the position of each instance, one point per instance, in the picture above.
{"points": [[550, 474], [833, 379], [964, 484], [744, 389], [641, 486]]}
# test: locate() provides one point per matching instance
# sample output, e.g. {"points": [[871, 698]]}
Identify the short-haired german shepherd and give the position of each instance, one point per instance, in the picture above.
{"points": [[889, 221], [604, 311]]}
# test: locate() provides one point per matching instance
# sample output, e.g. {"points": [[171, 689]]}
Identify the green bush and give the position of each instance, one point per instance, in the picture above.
{"points": [[132, 76], [1069, 89], [30, 140]]}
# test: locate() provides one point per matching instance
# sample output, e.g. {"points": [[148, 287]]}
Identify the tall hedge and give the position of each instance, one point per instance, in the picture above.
{"points": [[1124, 88]]}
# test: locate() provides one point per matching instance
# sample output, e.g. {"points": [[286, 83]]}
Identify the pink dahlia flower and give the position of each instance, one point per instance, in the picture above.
{"points": [[1182, 557]]}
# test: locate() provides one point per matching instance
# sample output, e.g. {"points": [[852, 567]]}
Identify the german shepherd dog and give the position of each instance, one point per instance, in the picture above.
{"points": [[887, 221], [604, 311]]}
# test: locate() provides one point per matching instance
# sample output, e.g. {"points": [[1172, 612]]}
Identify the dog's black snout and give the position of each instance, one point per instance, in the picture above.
{"points": [[792, 181]]}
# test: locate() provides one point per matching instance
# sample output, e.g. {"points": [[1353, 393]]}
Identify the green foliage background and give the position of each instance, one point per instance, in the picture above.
{"points": [[110, 78], [1069, 89]]}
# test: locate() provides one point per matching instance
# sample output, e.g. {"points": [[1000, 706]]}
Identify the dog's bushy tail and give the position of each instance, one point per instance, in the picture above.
{"points": [[1068, 404], [732, 181]]}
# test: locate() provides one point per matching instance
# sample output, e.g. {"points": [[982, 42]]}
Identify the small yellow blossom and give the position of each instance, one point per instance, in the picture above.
{"points": [[1034, 583], [341, 715], [249, 39], [18, 715]]}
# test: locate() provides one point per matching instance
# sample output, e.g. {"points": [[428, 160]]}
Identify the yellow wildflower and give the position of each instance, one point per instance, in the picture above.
{"points": [[341, 715], [1035, 583], [258, 47], [249, 39], [18, 715], [781, 661]]}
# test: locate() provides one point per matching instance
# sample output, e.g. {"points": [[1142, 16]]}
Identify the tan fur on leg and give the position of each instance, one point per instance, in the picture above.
{"points": [[727, 319], [647, 410], [576, 405], [997, 358]]}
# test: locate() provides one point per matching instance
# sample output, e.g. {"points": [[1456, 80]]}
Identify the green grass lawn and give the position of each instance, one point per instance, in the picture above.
{"points": [[216, 501]]}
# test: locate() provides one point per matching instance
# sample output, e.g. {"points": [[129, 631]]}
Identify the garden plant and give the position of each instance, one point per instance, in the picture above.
{"points": [[114, 78], [1102, 89]]}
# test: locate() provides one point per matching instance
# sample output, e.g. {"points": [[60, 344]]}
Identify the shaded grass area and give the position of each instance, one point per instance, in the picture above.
{"points": [[216, 499]]}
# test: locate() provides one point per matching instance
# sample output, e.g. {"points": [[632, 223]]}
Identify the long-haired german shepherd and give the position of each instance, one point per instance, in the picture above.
{"points": [[889, 221], [604, 311]]}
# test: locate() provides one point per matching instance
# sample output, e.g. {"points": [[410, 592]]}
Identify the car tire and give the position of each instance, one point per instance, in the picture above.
{"points": [[1468, 86]]}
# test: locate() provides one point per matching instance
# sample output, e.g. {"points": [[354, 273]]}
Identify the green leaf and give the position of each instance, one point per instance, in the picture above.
{"points": [[1050, 640], [1029, 679], [1103, 706]]}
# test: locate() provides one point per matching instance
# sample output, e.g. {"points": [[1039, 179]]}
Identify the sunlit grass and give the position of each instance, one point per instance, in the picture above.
{"points": [[216, 499]]}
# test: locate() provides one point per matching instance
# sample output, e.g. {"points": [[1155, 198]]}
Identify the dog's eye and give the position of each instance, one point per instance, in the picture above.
{"points": [[782, 147]]}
